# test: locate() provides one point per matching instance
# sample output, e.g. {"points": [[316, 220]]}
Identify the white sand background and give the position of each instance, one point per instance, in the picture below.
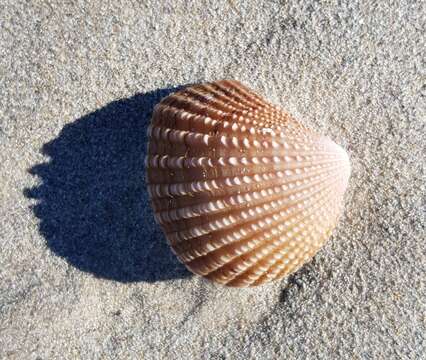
{"points": [[84, 270]]}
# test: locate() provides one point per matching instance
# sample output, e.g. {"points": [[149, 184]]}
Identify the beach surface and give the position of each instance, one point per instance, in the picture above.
{"points": [[85, 272]]}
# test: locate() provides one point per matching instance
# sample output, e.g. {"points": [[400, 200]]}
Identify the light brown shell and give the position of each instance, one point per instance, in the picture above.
{"points": [[244, 193]]}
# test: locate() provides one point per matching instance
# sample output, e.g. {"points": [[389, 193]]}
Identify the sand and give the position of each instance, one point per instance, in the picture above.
{"points": [[84, 270]]}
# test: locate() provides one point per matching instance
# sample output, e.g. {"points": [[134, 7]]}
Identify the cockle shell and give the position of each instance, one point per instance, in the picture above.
{"points": [[244, 193]]}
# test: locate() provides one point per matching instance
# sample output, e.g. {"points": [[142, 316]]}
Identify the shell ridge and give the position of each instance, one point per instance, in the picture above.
{"points": [[220, 183], [233, 92], [233, 170], [300, 255], [246, 198], [269, 227], [266, 244], [162, 203], [239, 213], [219, 93], [291, 219]]}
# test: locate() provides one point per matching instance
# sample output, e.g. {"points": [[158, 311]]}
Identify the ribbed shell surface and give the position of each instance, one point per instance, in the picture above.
{"points": [[244, 193]]}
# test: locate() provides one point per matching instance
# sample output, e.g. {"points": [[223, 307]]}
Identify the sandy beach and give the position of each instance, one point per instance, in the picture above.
{"points": [[86, 273]]}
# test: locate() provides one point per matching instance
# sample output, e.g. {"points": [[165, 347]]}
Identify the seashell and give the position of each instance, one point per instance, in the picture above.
{"points": [[244, 193]]}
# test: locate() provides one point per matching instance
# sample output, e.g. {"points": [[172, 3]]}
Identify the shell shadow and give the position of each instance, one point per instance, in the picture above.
{"points": [[92, 202]]}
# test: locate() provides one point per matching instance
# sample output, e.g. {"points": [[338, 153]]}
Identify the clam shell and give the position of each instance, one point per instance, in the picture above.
{"points": [[244, 193]]}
